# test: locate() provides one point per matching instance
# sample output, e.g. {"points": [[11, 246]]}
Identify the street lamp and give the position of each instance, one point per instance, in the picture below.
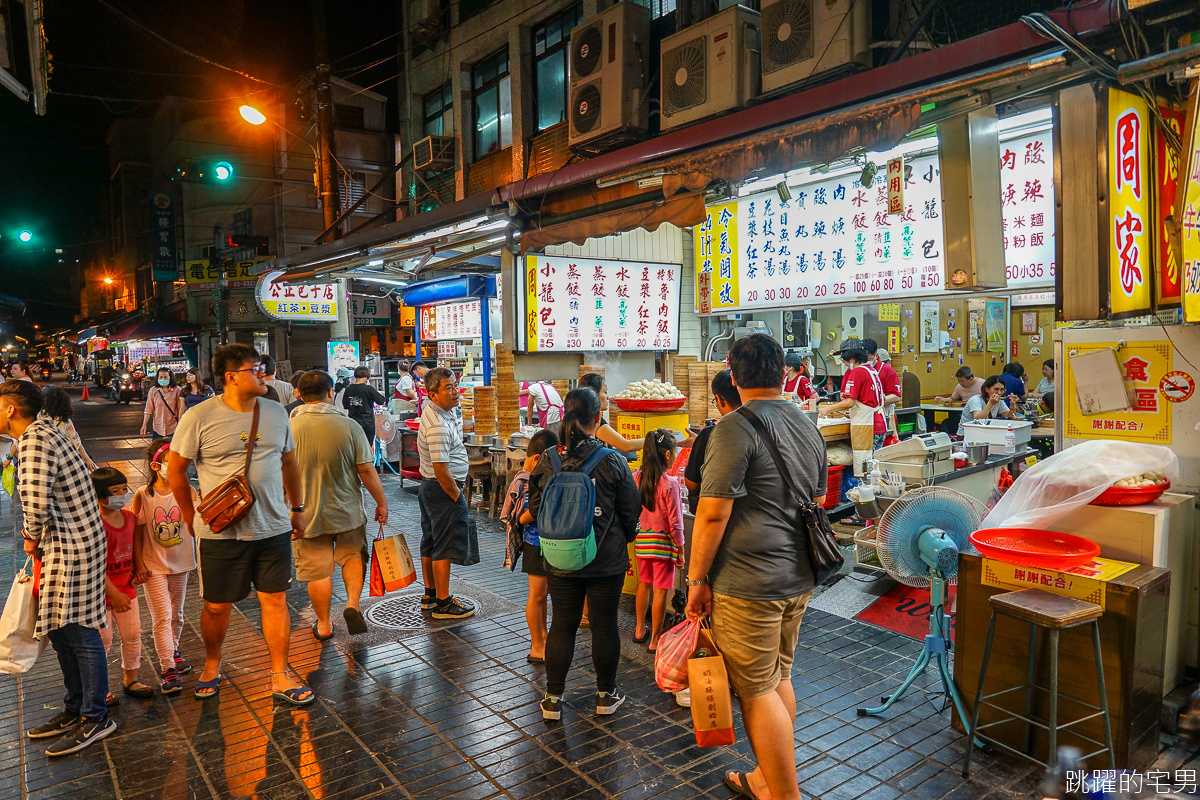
{"points": [[108, 280], [25, 236], [256, 117]]}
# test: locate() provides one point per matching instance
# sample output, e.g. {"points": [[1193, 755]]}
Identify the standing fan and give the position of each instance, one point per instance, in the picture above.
{"points": [[385, 431], [918, 539]]}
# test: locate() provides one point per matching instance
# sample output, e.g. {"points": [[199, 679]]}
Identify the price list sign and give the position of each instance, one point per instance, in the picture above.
{"points": [[590, 304], [1027, 205], [452, 321]]}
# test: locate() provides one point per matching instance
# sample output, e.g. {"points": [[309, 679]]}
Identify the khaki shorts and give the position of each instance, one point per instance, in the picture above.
{"points": [[316, 557], [758, 640]]}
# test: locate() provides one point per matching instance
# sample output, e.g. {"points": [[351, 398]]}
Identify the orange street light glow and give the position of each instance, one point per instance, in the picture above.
{"points": [[108, 281], [252, 115]]}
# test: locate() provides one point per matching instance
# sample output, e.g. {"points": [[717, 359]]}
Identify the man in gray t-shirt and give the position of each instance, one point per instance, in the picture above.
{"points": [[749, 565], [256, 551]]}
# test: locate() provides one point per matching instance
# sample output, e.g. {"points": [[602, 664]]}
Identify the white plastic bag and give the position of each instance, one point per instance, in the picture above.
{"points": [[18, 649], [1071, 479]]}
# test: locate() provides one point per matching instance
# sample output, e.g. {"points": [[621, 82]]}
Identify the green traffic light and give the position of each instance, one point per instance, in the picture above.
{"points": [[25, 236], [223, 171]]}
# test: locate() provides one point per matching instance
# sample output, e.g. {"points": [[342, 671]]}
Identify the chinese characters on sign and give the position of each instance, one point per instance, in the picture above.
{"points": [[1169, 282], [895, 185], [371, 312], [1143, 365], [1027, 207], [1129, 205], [307, 302], [451, 321], [205, 275], [589, 304], [1189, 222], [163, 256]]}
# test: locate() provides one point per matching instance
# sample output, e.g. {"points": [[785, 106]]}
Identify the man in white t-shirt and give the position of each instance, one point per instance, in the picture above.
{"points": [[546, 400]]}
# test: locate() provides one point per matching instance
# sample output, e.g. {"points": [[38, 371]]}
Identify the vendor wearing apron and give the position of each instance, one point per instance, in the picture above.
{"points": [[877, 361], [548, 402], [796, 379], [862, 396]]}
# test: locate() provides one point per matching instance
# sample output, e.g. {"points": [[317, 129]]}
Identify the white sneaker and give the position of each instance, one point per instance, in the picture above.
{"points": [[684, 699]]}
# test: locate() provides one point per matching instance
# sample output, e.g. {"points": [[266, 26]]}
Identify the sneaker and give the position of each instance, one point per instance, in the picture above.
{"points": [[609, 702], [453, 608], [84, 734], [57, 726], [181, 664], [428, 601], [684, 699], [551, 707], [170, 682]]}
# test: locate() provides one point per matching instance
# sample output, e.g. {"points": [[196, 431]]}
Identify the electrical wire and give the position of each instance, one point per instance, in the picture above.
{"points": [[365, 49], [180, 48]]}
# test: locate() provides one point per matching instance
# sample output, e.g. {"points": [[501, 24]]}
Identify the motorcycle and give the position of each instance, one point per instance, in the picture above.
{"points": [[122, 388]]}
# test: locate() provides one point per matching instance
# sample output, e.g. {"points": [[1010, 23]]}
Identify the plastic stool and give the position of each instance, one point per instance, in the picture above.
{"points": [[1055, 614]]}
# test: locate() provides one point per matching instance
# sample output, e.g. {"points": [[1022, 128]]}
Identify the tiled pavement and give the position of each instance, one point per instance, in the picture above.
{"points": [[452, 713]]}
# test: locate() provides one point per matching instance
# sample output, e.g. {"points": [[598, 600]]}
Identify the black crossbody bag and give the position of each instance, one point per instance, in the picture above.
{"points": [[812, 523]]}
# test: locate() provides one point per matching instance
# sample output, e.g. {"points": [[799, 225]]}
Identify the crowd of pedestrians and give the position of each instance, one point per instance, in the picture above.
{"points": [[307, 460]]}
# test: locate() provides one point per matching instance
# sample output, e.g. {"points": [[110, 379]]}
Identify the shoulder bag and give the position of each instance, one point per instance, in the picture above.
{"points": [[811, 520], [231, 500]]}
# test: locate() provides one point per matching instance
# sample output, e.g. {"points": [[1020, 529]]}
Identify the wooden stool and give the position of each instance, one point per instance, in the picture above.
{"points": [[1055, 614]]}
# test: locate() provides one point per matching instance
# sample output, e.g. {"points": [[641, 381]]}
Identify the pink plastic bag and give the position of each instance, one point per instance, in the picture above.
{"points": [[675, 647]]}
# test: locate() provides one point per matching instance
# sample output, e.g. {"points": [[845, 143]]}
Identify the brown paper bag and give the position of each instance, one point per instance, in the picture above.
{"points": [[712, 709], [392, 564]]}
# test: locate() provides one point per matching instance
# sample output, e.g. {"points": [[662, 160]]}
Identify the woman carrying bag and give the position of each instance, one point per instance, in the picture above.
{"points": [[618, 507], [164, 406]]}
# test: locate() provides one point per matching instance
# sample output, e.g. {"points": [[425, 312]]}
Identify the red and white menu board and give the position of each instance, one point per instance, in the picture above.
{"points": [[451, 321], [591, 304], [1027, 204]]}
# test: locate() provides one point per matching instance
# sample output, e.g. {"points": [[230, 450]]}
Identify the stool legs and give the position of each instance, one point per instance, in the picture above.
{"points": [[1029, 689], [1053, 716], [974, 726], [1106, 719]]}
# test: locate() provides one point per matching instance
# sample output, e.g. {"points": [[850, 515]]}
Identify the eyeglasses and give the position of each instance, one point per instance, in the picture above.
{"points": [[257, 369]]}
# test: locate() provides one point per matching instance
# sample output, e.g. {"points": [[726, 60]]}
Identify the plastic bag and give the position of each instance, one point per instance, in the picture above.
{"points": [[8, 479], [675, 647], [18, 649], [1053, 488]]}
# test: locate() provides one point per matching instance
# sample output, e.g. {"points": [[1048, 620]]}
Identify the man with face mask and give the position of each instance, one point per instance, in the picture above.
{"points": [[62, 526]]}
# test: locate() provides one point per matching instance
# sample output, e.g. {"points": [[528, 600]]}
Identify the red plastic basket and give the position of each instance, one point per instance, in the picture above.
{"points": [[649, 405], [833, 492], [1131, 495], [413, 424], [1031, 547]]}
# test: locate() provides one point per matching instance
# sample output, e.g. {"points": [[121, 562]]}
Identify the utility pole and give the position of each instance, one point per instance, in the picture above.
{"points": [[221, 293]]}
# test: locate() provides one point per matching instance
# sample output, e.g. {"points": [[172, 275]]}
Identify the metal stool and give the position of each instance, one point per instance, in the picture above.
{"points": [[1055, 614]]}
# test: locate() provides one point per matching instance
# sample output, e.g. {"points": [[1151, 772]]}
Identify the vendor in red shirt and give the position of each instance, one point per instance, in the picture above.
{"points": [[796, 378], [877, 360], [862, 396]]}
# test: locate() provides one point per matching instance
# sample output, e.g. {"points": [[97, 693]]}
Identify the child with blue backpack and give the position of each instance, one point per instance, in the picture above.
{"points": [[587, 508], [520, 522]]}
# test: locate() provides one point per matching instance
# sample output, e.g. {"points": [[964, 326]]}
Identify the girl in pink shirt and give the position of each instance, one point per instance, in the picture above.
{"points": [[659, 543]]}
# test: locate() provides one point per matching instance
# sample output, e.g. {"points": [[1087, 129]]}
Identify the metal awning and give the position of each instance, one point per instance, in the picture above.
{"points": [[155, 329]]}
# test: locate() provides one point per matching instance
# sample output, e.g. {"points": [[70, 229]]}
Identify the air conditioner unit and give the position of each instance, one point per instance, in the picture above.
{"points": [[434, 153], [710, 67], [802, 39], [609, 55]]}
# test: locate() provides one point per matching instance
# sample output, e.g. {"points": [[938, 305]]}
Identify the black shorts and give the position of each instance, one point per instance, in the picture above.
{"points": [[443, 522], [532, 562], [229, 567]]}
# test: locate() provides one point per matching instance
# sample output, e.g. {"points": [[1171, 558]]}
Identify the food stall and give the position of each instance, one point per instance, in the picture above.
{"points": [[450, 313]]}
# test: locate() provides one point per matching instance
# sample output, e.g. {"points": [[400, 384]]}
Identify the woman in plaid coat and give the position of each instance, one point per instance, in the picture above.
{"points": [[62, 526]]}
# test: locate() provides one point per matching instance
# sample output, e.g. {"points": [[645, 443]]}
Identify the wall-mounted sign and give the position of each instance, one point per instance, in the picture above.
{"points": [[1189, 195], [164, 257], [895, 185], [1129, 219], [203, 274], [341, 354], [589, 304], [371, 312], [305, 302], [1143, 368], [1168, 288], [451, 321], [1027, 207]]}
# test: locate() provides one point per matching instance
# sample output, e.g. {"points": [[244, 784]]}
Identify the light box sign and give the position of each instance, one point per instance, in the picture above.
{"points": [[1168, 187], [451, 321], [1189, 233], [305, 302], [574, 304], [203, 274], [835, 242], [371, 312], [1129, 218]]}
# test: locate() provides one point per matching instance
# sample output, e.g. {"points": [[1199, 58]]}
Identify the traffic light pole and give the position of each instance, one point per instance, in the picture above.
{"points": [[221, 293]]}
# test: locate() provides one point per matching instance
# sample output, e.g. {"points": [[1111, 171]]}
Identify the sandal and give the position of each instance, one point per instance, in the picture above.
{"points": [[534, 660], [737, 782], [318, 636], [645, 637], [139, 690], [210, 688], [111, 701], [354, 621], [293, 696]]}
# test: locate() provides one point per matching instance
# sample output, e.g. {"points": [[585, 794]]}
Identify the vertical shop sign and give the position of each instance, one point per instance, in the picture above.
{"points": [[716, 245], [164, 258], [1129, 190], [893, 340], [1168, 288], [1189, 219], [895, 185], [704, 292], [1143, 365], [1027, 207]]}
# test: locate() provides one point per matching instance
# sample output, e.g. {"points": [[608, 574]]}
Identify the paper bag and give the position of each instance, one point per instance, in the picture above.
{"points": [[18, 649], [392, 565], [712, 703]]}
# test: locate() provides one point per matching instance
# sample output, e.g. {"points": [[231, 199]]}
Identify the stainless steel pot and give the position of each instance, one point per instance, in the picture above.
{"points": [[976, 453]]}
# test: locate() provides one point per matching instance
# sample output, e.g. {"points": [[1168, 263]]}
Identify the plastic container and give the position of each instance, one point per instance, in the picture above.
{"points": [[1031, 547], [833, 493], [960, 460], [995, 431], [1131, 495]]}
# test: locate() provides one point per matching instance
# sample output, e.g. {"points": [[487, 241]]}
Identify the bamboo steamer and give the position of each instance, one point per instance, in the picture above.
{"points": [[585, 369], [562, 387], [485, 411], [698, 392], [679, 371]]}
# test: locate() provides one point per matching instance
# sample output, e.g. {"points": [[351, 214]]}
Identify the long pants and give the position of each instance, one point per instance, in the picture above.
{"points": [[603, 596], [129, 624], [81, 658], [165, 595]]}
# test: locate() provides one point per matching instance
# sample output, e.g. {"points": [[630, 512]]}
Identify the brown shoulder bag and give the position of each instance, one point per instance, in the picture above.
{"points": [[231, 500]]}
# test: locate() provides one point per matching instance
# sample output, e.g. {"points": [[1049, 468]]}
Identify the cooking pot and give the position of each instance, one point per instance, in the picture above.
{"points": [[977, 453]]}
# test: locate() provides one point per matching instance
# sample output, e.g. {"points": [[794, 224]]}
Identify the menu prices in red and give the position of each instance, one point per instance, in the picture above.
{"points": [[451, 321]]}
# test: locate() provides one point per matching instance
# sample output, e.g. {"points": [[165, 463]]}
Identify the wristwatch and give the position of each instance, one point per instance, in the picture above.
{"points": [[297, 509], [700, 582]]}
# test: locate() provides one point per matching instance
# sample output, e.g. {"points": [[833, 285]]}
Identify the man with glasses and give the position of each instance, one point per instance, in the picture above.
{"points": [[255, 551]]}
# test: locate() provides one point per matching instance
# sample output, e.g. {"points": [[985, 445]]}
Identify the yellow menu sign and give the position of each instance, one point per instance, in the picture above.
{"points": [[1085, 582], [1130, 185], [716, 243], [1148, 418], [1189, 220]]}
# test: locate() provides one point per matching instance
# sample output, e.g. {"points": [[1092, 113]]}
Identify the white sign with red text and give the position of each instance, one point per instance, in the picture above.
{"points": [[305, 302]]}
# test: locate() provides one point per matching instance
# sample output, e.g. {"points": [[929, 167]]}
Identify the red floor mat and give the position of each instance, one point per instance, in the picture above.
{"points": [[903, 609]]}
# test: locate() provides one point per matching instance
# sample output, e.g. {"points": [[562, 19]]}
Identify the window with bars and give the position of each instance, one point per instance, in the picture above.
{"points": [[354, 186], [493, 104], [348, 117], [552, 66]]}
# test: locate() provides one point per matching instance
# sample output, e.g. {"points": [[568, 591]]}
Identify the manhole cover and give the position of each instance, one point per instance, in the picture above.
{"points": [[403, 613]]}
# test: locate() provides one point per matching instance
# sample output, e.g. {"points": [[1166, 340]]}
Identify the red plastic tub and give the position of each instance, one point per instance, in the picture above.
{"points": [[669, 404], [1031, 547], [1131, 496], [833, 494]]}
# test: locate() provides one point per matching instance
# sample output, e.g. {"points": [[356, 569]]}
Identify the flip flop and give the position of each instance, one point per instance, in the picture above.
{"points": [[293, 696], [354, 621], [318, 636], [144, 693], [645, 637], [737, 782], [534, 660], [214, 685]]}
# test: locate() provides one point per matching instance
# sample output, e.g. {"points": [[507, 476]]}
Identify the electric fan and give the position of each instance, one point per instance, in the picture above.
{"points": [[918, 539], [385, 431]]}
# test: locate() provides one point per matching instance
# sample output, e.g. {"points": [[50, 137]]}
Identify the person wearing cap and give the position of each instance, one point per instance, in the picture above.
{"points": [[796, 379], [877, 360], [862, 396]]}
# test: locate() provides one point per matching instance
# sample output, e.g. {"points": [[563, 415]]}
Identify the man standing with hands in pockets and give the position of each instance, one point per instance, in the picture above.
{"points": [[257, 549]]}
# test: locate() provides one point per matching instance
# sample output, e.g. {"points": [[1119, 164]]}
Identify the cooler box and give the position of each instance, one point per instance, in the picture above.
{"points": [[992, 432]]}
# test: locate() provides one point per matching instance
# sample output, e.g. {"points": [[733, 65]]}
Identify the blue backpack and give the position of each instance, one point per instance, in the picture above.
{"points": [[567, 511]]}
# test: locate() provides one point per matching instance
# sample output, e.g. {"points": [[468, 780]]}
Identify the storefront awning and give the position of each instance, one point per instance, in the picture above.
{"points": [[682, 210], [155, 329]]}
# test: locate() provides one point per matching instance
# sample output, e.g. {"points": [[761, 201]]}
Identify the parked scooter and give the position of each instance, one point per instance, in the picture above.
{"points": [[122, 388]]}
